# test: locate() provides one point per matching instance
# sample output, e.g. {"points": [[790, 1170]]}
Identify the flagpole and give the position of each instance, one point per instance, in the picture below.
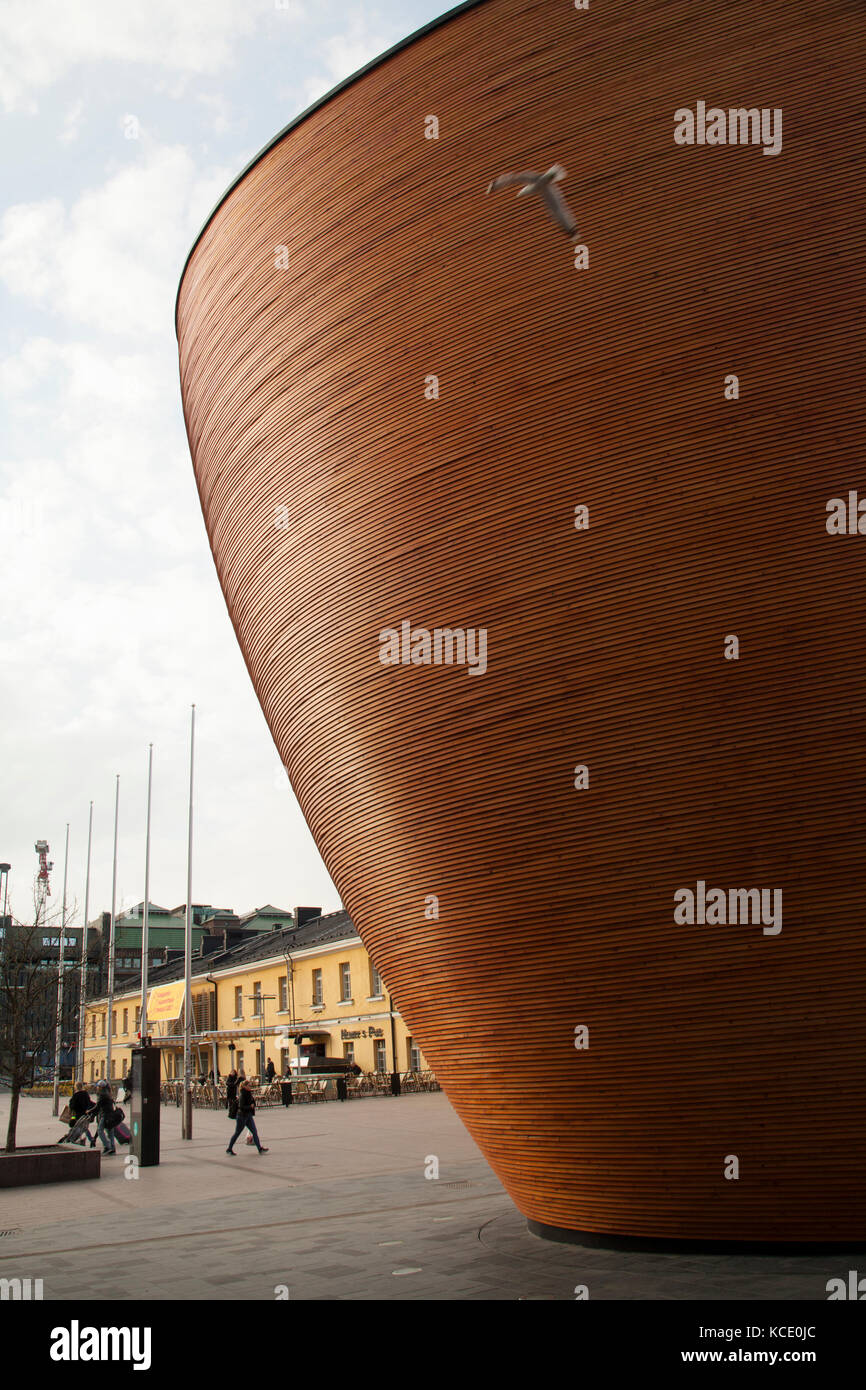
{"points": [[111, 933], [82, 981], [186, 1127], [142, 1035], [55, 1109]]}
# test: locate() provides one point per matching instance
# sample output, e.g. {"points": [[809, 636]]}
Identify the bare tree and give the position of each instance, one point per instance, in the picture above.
{"points": [[28, 1005]]}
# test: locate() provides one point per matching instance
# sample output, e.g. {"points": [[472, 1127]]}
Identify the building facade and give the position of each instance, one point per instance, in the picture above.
{"points": [[290, 995]]}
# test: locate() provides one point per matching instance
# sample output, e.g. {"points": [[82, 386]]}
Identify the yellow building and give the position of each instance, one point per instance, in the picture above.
{"points": [[292, 995]]}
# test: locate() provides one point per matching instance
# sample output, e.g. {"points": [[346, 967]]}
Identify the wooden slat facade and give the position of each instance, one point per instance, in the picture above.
{"points": [[304, 389]]}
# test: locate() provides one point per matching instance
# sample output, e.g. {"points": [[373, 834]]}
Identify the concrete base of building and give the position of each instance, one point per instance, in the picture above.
{"points": [[648, 1244], [48, 1163]]}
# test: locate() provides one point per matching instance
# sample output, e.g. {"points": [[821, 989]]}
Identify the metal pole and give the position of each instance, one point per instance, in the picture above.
{"points": [[55, 1109], [4, 872], [144, 929], [82, 978], [111, 932], [186, 1120]]}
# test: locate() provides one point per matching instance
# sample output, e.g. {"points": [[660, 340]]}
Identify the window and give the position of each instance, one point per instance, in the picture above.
{"points": [[345, 982], [240, 1061], [93, 1071], [284, 993], [413, 1056], [239, 1001], [376, 986], [318, 996], [137, 1017], [349, 1051], [114, 1023], [92, 1028], [102, 1021], [126, 1020], [113, 1065], [257, 1000], [381, 1059]]}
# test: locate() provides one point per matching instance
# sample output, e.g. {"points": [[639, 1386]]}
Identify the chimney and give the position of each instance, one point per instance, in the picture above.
{"points": [[306, 914]]}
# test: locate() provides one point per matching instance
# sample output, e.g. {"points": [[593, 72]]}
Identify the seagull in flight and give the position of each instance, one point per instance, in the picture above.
{"points": [[544, 186]]}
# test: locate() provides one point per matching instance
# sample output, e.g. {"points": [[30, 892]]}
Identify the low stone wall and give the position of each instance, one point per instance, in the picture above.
{"points": [[41, 1163]]}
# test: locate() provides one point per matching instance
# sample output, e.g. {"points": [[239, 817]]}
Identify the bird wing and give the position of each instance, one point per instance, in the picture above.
{"points": [[559, 209], [511, 181]]}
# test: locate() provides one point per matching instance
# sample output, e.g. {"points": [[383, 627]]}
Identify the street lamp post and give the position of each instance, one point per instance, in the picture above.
{"points": [[4, 874], [58, 1035], [82, 978], [260, 998], [186, 1114]]}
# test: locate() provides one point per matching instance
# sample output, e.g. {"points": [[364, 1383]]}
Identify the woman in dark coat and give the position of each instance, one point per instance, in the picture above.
{"points": [[246, 1110], [104, 1112], [79, 1104]]}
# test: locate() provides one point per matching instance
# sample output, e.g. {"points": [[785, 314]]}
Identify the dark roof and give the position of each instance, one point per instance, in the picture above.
{"points": [[332, 926], [341, 86], [267, 911]]}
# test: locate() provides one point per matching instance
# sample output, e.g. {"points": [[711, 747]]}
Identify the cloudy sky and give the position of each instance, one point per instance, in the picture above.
{"points": [[122, 125]]}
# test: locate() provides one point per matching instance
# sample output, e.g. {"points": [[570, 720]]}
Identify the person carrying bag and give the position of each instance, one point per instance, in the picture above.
{"points": [[246, 1108]]}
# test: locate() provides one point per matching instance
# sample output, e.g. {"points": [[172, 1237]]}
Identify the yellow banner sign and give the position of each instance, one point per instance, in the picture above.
{"points": [[165, 1001]]}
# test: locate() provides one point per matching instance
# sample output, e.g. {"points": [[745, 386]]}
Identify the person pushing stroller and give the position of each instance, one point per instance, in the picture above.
{"points": [[80, 1111]]}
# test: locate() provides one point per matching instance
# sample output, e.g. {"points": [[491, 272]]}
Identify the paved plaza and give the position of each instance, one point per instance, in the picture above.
{"points": [[340, 1208]]}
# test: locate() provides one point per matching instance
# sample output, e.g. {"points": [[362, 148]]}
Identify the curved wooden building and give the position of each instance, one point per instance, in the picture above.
{"points": [[398, 391]]}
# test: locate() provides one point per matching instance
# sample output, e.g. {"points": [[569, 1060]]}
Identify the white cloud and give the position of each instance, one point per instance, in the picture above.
{"points": [[343, 54], [42, 42], [72, 123], [113, 259]]}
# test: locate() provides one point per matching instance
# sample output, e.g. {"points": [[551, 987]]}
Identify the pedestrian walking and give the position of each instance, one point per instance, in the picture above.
{"points": [[80, 1105], [271, 1070], [232, 1093], [246, 1110], [104, 1112]]}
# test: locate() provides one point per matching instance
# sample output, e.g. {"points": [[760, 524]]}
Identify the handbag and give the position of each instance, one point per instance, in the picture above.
{"points": [[66, 1116], [117, 1116]]}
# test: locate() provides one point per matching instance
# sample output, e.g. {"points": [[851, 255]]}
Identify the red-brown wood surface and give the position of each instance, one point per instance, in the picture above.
{"points": [[303, 388]]}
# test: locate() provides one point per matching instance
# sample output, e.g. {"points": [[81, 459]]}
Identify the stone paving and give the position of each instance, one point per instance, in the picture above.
{"points": [[339, 1209]]}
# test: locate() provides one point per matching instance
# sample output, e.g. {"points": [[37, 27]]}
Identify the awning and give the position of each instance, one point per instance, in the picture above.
{"points": [[239, 1035]]}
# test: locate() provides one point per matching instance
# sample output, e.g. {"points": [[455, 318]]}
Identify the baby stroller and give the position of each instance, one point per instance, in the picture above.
{"points": [[80, 1131]]}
